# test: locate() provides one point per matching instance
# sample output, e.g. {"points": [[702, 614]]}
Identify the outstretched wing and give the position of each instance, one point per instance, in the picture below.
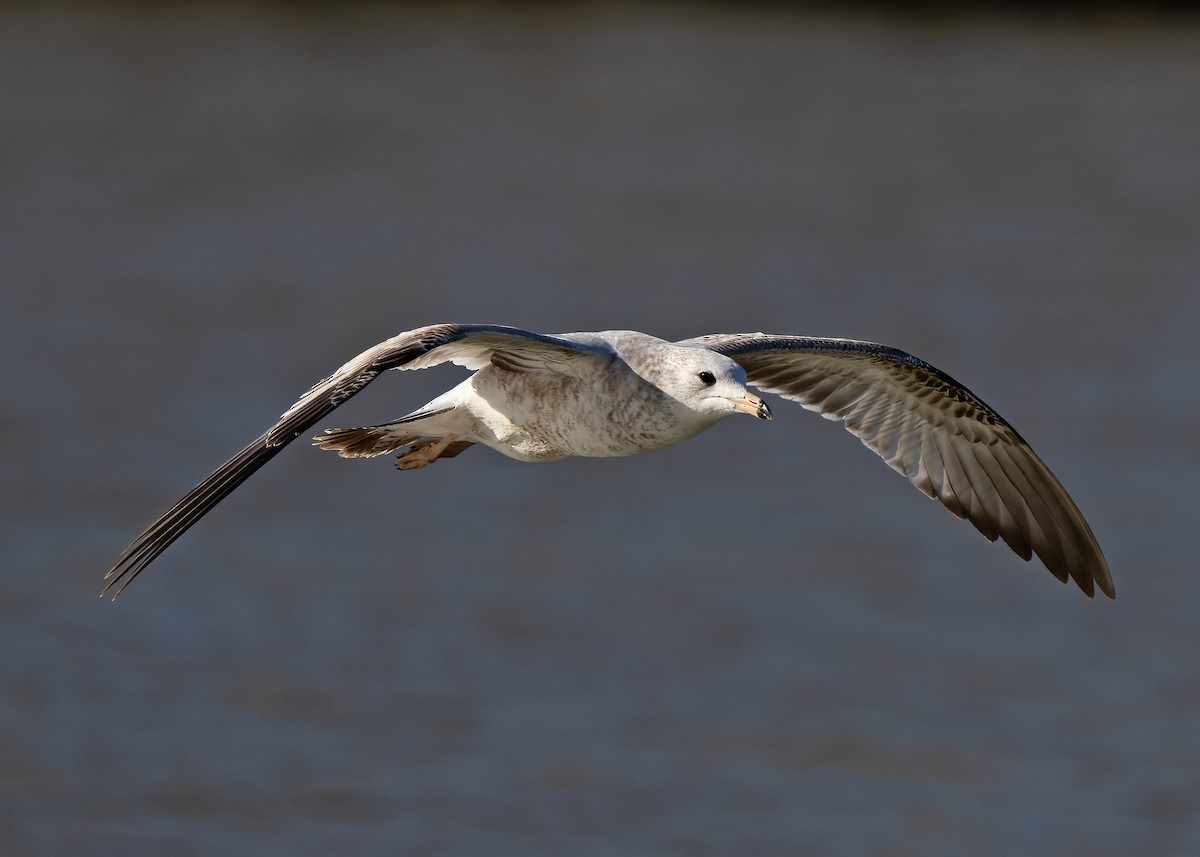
{"points": [[469, 345], [948, 442]]}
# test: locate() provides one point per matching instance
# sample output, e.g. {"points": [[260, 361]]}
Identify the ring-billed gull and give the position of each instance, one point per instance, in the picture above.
{"points": [[536, 397]]}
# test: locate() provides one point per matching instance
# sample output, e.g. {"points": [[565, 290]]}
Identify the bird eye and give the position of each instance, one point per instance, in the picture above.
{"points": [[708, 378]]}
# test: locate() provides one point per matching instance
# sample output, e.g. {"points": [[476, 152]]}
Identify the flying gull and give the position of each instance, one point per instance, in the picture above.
{"points": [[536, 397]]}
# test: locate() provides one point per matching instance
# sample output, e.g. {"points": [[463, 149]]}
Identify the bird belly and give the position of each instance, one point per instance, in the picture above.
{"points": [[543, 416]]}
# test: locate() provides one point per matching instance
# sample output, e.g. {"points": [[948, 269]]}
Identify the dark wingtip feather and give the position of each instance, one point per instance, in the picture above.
{"points": [[194, 505]]}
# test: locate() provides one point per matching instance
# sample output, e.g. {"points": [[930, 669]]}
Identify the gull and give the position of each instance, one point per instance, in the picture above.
{"points": [[540, 397]]}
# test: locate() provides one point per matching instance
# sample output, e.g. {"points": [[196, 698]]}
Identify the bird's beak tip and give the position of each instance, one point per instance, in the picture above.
{"points": [[752, 405]]}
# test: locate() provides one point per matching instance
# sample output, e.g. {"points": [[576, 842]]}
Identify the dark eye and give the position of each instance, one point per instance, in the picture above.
{"points": [[708, 378]]}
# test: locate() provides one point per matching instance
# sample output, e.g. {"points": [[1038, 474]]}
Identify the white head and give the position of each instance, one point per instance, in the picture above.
{"points": [[708, 383]]}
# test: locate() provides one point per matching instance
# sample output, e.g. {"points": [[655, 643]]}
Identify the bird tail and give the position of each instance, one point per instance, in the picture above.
{"points": [[370, 441], [365, 442]]}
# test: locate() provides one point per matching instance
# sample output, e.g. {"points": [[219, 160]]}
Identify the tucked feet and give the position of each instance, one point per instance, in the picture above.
{"points": [[422, 452]]}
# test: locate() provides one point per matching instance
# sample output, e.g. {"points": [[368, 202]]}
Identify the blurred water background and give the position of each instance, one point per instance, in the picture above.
{"points": [[759, 642]]}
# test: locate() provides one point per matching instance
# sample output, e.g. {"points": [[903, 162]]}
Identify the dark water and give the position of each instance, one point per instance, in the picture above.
{"points": [[760, 642]]}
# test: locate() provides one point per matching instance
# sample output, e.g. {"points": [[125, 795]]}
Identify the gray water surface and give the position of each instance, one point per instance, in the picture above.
{"points": [[759, 642]]}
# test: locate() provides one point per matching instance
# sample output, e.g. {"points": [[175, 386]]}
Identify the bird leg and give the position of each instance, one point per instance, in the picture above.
{"points": [[427, 451]]}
